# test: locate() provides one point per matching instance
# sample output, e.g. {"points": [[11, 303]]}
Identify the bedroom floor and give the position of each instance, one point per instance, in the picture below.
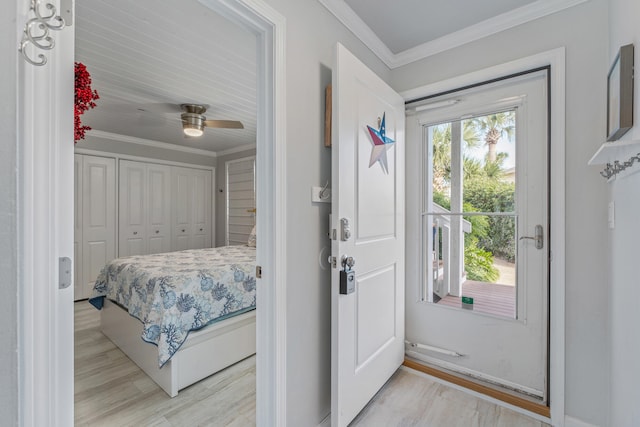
{"points": [[110, 390]]}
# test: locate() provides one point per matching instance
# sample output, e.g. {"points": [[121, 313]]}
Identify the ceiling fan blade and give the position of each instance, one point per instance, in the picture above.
{"points": [[160, 107], [225, 124]]}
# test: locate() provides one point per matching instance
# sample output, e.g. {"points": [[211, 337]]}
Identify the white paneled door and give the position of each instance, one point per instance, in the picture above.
{"points": [[98, 217], [132, 221], [158, 208], [191, 205], [145, 208], [368, 219]]}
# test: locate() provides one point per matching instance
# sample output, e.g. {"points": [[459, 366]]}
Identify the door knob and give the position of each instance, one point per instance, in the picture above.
{"points": [[348, 261], [538, 238]]}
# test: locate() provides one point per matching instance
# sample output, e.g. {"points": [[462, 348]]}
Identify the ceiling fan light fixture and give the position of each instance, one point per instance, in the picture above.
{"points": [[192, 130], [192, 124]]}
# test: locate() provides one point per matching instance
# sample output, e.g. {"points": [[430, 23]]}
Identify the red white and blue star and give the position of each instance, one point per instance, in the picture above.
{"points": [[381, 144]]}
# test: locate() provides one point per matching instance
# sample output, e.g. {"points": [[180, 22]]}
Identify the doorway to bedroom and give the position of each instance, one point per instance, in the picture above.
{"points": [[144, 188]]}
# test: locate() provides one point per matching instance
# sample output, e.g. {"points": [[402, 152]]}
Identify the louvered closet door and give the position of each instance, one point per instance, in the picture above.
{"points": [[241, 199], [158, 193], [132, 218], [98, 217]]}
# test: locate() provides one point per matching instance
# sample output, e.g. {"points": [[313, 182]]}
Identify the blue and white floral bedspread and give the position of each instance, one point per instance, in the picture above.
{"points": [[177, 292]]}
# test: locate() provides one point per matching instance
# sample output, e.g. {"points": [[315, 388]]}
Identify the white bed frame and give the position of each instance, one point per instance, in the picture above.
{"points": [[205, 351]]}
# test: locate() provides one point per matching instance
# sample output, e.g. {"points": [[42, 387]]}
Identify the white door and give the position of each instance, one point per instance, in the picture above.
{"points": [[98, 217], [367, 325], [201, 202], [78, 283], [485, 234], [132, 227], [181, 208], [158, 193]]}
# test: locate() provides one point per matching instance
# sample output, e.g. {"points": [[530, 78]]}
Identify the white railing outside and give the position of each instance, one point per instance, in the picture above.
{"points": [[444, 269]]}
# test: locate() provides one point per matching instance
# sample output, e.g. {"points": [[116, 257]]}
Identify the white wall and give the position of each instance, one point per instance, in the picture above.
{"points": [[624, 282], [8, 217], [583, 31], [311, 33]]}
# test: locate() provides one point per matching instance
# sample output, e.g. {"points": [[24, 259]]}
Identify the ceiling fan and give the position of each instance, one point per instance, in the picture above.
{"points": [[194, 121]]}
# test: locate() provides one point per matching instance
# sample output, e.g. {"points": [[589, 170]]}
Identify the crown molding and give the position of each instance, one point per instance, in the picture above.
{"points": [[494, 25], [357, 26], [236, 150], [149, 143]]}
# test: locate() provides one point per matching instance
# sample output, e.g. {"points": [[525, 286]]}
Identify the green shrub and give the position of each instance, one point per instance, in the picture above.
{"points": [[478, 263], [490, 195]]}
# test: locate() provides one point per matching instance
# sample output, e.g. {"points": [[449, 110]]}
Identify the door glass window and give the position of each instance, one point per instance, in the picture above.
{"points": [[470, 216]]}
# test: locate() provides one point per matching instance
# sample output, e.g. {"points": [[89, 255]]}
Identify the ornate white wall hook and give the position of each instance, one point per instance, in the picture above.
{"points": [[36, 31]]}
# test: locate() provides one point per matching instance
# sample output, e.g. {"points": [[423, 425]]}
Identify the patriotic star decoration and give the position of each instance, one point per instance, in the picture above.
{"points": [[381, 144]]}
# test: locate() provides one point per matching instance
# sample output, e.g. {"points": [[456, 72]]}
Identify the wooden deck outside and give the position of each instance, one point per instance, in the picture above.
{"points": [[490, 298]]}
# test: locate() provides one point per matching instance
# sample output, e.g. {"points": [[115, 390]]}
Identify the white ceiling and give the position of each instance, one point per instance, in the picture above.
{"points": [[146, 57], [405, 31], [405, 24]]}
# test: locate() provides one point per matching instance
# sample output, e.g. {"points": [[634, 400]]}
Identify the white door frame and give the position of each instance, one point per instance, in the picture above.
{"points": [[45, 203], [556, 59]]}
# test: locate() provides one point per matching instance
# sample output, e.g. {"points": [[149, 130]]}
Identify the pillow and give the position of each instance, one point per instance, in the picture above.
{"points": [[252, 238]]}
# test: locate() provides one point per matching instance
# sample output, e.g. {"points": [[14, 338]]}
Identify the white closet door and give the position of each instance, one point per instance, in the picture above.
{"points": [[181, 197], [191, 208], [241, 199], [78, 280], [158, 194], [132, 221], [201, 197], [98, 217]]}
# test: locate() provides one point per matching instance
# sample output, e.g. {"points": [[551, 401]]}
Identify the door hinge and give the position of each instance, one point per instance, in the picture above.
{"points": [[66, 11], [258, 272]]}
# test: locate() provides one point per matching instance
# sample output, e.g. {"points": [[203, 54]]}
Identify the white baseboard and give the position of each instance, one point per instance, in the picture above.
{"points": [[575, 422], [326, 422]]}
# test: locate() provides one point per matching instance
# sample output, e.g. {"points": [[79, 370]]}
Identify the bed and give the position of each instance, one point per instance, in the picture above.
{"points": [[180, 316]]}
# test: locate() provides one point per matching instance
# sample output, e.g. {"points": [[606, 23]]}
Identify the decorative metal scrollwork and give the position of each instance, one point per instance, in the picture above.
{"points": [[613, 169], [36, 32]]}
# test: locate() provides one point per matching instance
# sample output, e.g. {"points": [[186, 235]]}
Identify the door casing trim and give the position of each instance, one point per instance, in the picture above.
{"points": [[45, 201]]}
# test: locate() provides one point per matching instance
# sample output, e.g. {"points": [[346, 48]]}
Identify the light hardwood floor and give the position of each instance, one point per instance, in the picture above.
{"points": [[110, 390], [410, 399]]}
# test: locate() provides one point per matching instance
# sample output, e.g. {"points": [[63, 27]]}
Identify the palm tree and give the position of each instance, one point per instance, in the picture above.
{"points": [[441, 140], [494, 126]]}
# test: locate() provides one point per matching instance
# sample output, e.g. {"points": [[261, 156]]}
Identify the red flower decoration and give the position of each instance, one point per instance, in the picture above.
{"points": [[84, 99]]}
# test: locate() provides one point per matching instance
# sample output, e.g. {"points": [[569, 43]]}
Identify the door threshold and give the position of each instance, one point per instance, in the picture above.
{"points": [[507, 396]]}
